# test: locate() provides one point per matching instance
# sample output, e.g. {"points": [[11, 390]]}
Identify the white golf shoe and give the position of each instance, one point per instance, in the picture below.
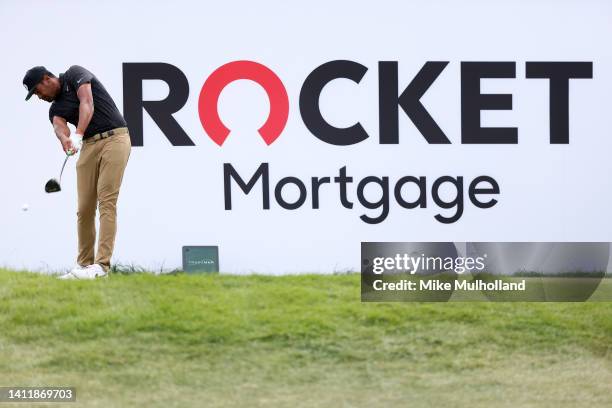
{"points": [[89, 272], [70, 273]]}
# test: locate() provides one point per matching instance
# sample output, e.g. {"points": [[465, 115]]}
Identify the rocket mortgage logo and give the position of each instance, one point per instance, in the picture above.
{"points": [[483, 192]]}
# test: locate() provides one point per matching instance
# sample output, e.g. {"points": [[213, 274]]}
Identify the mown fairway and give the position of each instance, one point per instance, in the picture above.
{"points": [[294, 341]]}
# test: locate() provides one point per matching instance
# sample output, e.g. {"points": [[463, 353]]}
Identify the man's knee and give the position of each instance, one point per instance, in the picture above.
{"points": [[86, 211], [108, 205]]}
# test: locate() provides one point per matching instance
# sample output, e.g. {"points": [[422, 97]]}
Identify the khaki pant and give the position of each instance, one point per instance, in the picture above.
{"points": [[99, 174]]}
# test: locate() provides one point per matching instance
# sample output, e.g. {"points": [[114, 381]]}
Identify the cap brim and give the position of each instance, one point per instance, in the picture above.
{"points": [[29, 95]]}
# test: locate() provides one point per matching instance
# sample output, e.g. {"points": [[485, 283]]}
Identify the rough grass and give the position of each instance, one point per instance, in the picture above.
{"points": [[294, 341]]}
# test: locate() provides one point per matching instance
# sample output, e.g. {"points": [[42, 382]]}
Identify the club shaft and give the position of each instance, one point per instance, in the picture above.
{"points": [[62, 171]]}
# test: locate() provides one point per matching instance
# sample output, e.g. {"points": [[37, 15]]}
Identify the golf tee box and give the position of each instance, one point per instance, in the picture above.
{"points": [[201, 259]]}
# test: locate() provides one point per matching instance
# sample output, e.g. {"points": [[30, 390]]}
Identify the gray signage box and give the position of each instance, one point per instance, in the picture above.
{"points": [[201, 259]]}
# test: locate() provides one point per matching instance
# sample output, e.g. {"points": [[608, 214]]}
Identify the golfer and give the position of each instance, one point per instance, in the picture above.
{"points": [[78, 97]]}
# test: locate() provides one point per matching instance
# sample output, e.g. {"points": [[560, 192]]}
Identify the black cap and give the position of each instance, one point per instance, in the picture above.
{"points": [[33, 77]]}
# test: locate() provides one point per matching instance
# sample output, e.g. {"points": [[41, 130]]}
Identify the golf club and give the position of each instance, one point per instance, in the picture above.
{"points": [[53, 186]]}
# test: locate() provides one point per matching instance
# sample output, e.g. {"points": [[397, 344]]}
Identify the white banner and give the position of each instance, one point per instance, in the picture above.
{"points": [[458, 70]]}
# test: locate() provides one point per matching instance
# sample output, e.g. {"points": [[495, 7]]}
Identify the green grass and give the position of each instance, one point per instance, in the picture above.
{"points": [[294, 341]]}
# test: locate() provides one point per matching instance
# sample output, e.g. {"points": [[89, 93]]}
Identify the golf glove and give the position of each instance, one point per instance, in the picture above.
{"points": [[77, 143]]}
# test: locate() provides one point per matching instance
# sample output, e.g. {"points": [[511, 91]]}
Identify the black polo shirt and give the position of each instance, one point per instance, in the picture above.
{"points": [[106, 116]]}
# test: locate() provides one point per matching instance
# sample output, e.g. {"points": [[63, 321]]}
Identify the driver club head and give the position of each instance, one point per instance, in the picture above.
{"points": [[52, 186]]}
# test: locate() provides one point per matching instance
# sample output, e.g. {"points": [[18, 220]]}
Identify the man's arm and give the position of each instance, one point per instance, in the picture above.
{"points": [[62, 132], [86, 107]]}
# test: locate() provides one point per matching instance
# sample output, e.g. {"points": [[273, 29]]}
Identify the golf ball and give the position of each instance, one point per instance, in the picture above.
{"points": [[25, 207]]}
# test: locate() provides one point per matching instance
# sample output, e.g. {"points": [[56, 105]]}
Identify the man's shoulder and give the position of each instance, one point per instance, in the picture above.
{"points": [[75, 68], [77, 71]]}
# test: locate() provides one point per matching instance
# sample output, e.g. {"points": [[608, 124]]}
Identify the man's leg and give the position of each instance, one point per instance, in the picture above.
{"points": [[87, 182], [115, 152]]}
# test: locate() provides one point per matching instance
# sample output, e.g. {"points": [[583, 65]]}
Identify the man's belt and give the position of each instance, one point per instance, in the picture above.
{"points": [[104, 135]]}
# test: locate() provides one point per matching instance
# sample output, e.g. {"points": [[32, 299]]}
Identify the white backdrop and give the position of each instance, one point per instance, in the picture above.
{"points": [[173, 196]]}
